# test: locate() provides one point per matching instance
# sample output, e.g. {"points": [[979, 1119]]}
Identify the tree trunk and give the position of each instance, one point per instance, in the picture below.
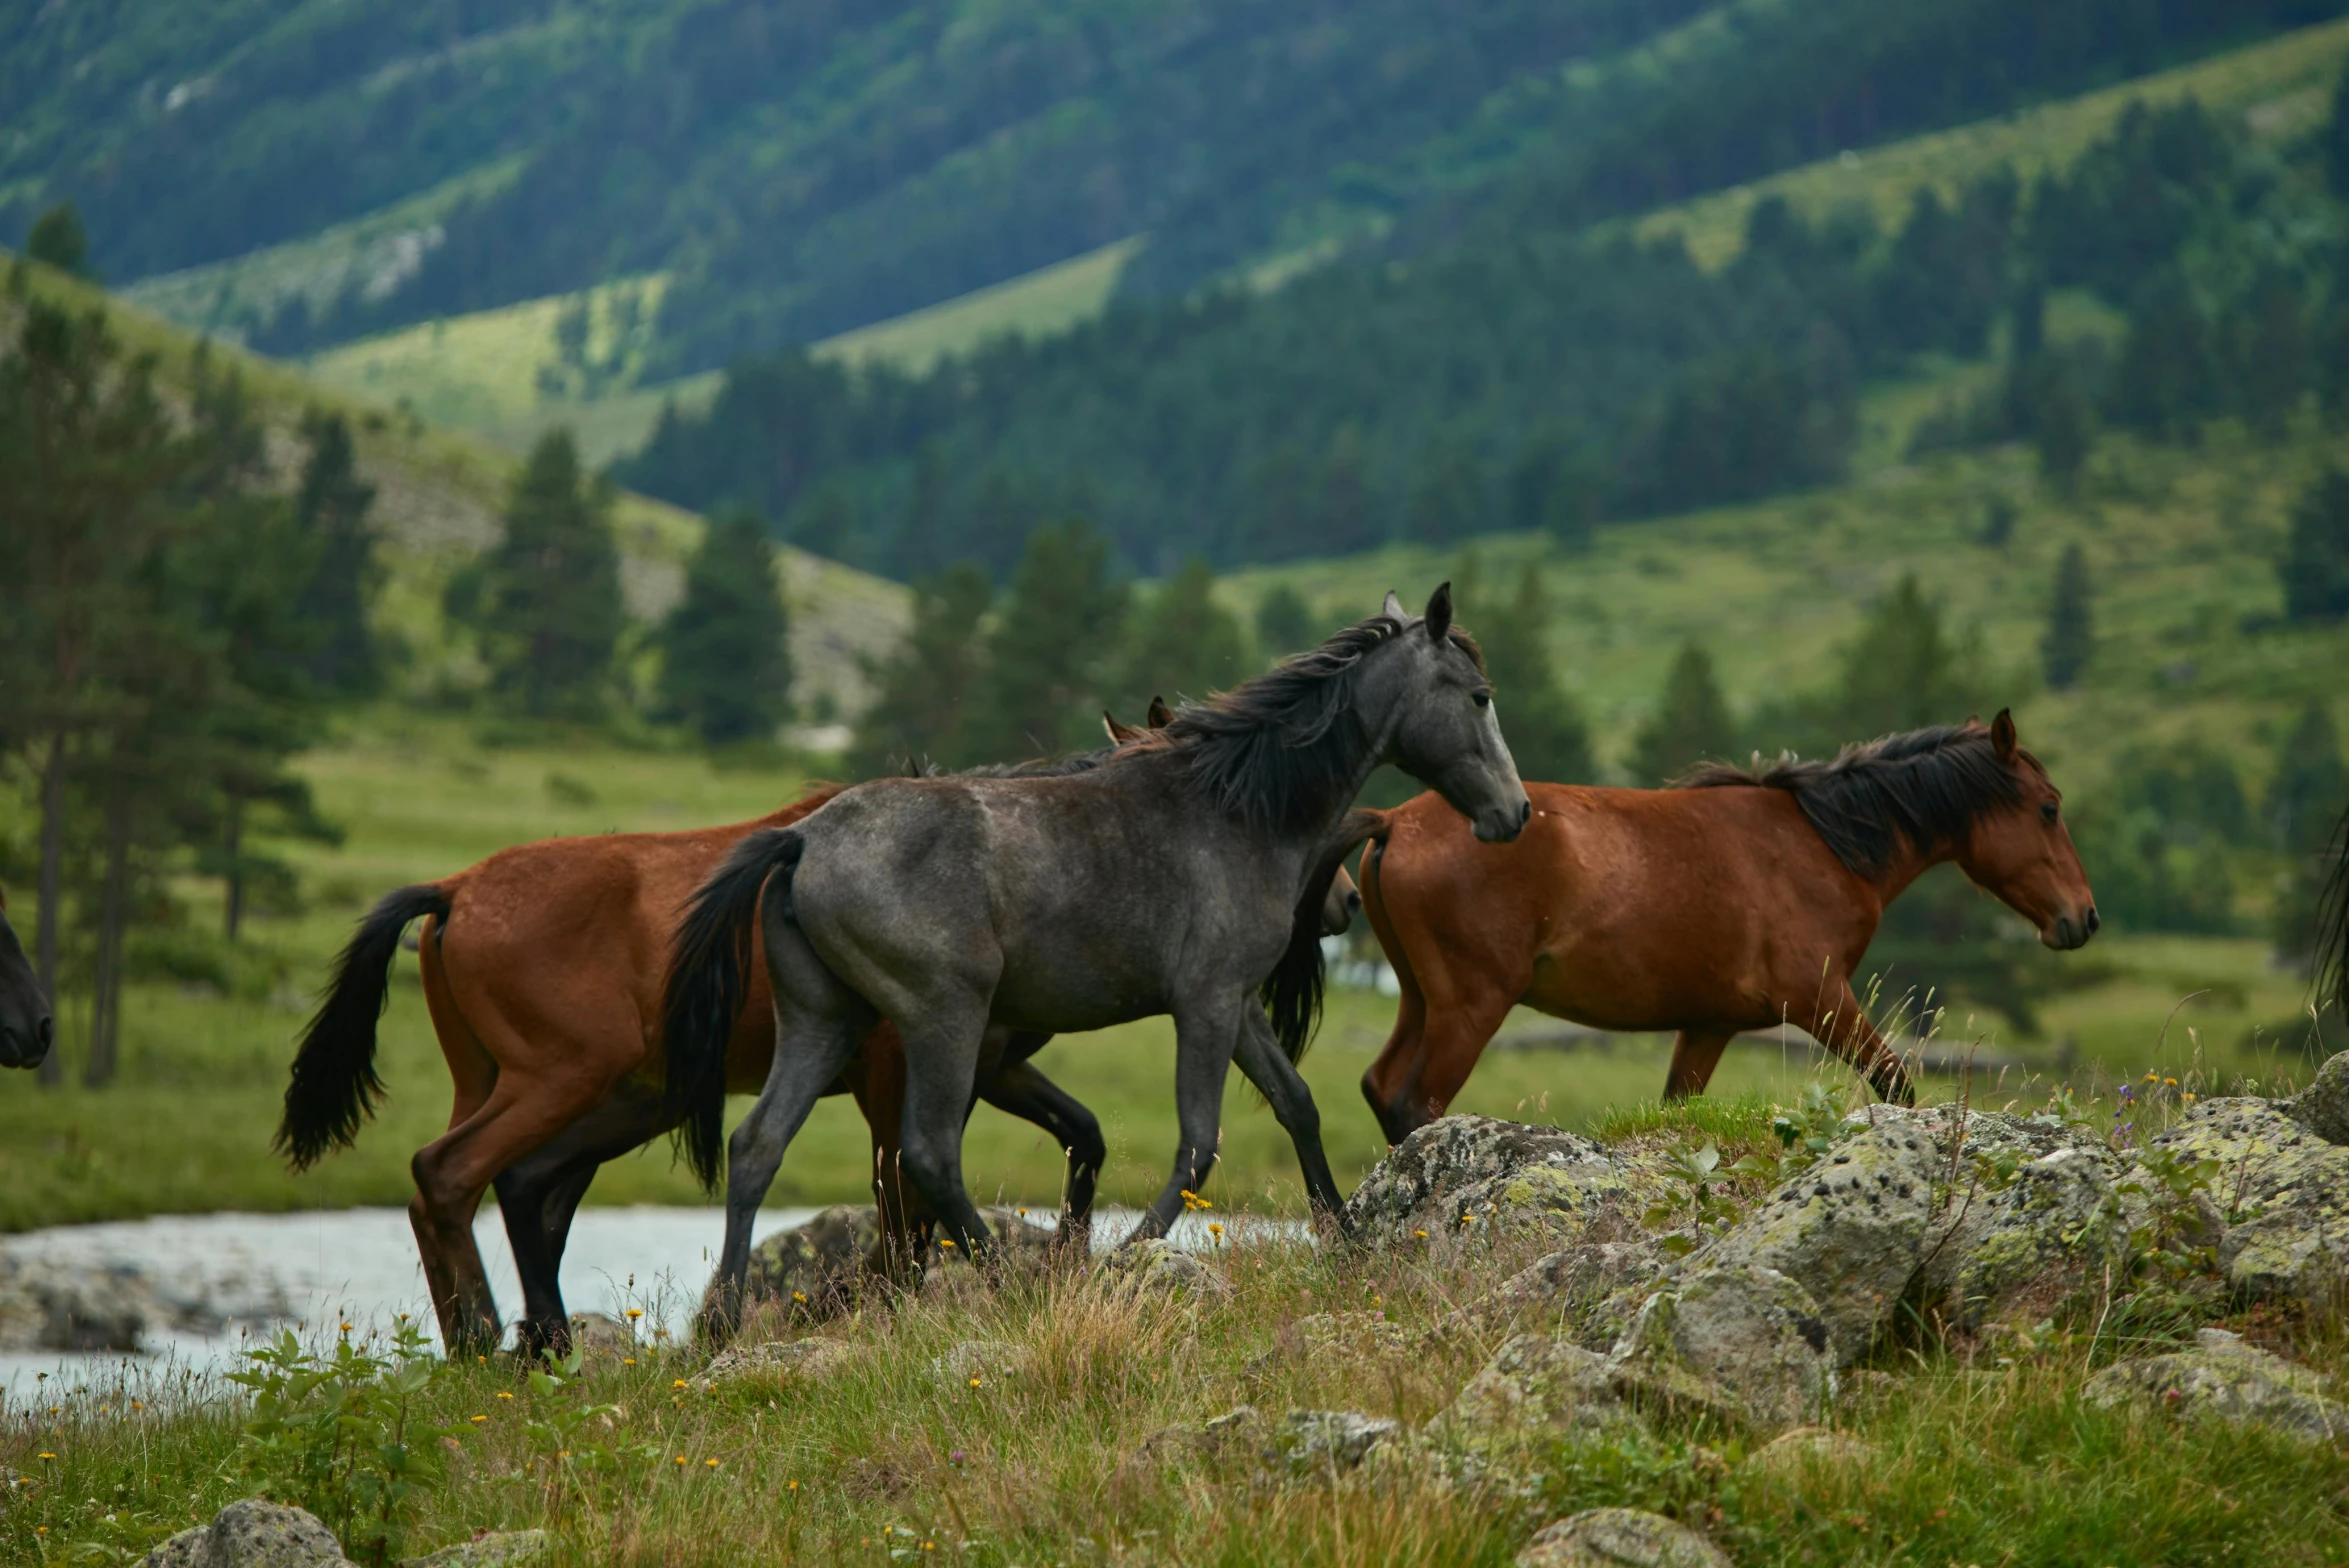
{"points": [[113, 914], [236, 864], [52, 892]]}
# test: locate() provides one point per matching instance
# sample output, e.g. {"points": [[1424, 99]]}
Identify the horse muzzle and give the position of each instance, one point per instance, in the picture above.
{"points": [[2068, 931], [23, 1047], [1503, 826]]}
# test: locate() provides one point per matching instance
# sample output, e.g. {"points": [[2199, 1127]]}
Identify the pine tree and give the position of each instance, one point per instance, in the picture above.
{"points": [[726, 656], [2315, 563], [546, 600], [1285, 624], [1902, 672], [920, 712], [1691, 723], [1543, 724], [331, 507], [2310, 786], [1057, 634], [2336, 138], [1183, 643], [2063, 425], [1448, 500], [58, 240], [2071, 625]]}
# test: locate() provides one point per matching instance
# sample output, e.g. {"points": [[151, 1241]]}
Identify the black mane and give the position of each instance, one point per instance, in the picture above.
{"points": [[1278, 750], [1922, 788]]}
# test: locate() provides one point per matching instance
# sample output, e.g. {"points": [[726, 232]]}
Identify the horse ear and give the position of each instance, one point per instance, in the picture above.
{"points": [[1439, 613], [1119, 734], [1393, 609], [1159, 713], [2002, 735]]}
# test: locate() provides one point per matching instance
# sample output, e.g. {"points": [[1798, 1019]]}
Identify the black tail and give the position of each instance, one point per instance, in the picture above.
{"points": [[2332, 932], [709, 969], [1292, 992], [334, 1086]]}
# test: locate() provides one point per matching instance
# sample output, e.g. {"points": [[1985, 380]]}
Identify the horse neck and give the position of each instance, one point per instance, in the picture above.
{"points": [[1910, 864]]}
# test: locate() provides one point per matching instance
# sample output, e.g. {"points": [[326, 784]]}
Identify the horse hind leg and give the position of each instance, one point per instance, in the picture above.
{"points": [[1258, 1056], [539, 1195], [1695, 1054], [1022, 1090], [942, 1059], [819, 1024]]}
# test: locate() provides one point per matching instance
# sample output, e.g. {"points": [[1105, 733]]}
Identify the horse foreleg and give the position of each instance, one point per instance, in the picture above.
{"points": [[1417, 1076], [1206, 1034], [1022, 1090], [877, 1079], [540, 1194], [1258, 1056], [1694, 1056], [942, 1061], [1843, 1026]]}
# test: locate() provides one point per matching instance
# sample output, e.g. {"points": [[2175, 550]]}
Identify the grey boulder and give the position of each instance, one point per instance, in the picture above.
{"points": [[254, 1533], [1620, 1538], [2225, 1379], [1460, 1172], [1738, 1342], [2284, 1233]]}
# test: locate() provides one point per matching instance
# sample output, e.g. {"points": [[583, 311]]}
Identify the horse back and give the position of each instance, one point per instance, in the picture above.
{"points": [[1627, 909]]}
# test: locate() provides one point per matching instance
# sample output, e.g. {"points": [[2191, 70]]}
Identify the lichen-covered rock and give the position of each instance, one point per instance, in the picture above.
{"points": [[491, 1549], [1737, 1341], [48, 1305], [1320, 1440], [1852, 1229], [1619, 1538], [978, 1362], [1161, 1266], [2323, 1107], [1578, 1281], [1459, 1172], [1215, 1438], [602, 1336], [777, 1361], [2285, 1192], [2228, 1380], [254, 1533], [2063, 1221], [815, 1270], [1359, 1335], [1534, 1385]]}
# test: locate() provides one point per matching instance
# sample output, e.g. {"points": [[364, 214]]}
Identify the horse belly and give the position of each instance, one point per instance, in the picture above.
{"points": [[1080, 981]]}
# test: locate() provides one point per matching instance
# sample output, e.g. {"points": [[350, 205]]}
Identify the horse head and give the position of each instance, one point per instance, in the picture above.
{"points": [[1445, 730], [2020, 850], [26, 1025]]}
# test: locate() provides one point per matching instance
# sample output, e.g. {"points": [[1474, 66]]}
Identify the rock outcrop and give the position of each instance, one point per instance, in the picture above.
{"points": [[776, 1361], [2280, 1195], [2223, 1378], [1620, 1538], [1736, 1341], [254, 1533], [1310, 1441], [1459, 1172]]}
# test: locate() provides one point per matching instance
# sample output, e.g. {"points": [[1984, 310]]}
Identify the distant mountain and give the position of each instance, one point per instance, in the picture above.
{"points": [[798, 168]]}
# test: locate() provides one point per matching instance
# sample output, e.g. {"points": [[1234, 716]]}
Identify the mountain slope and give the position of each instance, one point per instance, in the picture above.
{"points": [[439, 495]]}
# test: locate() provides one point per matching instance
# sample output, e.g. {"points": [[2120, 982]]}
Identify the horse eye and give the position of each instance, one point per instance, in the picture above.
{"points": [[2047, 812], [1483, 699]]}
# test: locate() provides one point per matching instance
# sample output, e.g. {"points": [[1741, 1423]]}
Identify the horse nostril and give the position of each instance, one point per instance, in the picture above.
{"points": [[1525, 811], [45, 1030], [1353, 902], [2094, 923]]}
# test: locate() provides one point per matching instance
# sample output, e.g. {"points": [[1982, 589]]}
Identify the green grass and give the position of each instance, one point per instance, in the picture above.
{"points": [[894, 1458], [2281, 88]]}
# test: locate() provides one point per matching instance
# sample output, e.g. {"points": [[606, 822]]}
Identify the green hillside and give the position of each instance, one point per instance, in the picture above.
{"points": [[439, 493]]}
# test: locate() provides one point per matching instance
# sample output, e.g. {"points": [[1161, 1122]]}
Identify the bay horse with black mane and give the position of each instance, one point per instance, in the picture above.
{"points": [[1164, 881], [542, 969], [1738, 899], [27, 1027]]}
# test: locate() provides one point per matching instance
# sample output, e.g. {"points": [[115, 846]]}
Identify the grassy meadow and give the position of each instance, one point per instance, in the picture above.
{"points": [[1009, 1426]]}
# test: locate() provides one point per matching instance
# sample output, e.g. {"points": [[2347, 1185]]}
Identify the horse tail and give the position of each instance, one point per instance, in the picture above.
{"points": [[1292, 993], [709, 968], [2332, 937], [1374, 905], [334, 1085]]}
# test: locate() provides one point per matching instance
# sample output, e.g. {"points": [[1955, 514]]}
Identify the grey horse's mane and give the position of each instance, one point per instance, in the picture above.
{"points": [[1920, 787], [1279, 750], [1034, 768]]}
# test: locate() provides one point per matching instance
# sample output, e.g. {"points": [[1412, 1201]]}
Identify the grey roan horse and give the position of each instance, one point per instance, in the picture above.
{"points": [[25, 1022], [1164, 881]]}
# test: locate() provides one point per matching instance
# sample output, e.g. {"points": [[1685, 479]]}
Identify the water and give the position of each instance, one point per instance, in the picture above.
{"points": [[359, 1266]]}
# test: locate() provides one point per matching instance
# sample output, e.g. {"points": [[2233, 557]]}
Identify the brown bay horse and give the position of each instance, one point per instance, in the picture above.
{"points": [[542, 969], [1736, 900]]}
